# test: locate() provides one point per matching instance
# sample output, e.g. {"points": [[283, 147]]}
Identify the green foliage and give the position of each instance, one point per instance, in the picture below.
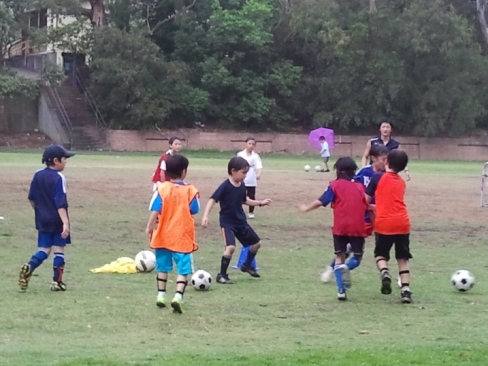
{"points": [[136, 87], [12, 85]]}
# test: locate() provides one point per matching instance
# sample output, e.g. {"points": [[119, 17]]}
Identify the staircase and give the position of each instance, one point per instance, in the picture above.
{"points": [[87, 129]]}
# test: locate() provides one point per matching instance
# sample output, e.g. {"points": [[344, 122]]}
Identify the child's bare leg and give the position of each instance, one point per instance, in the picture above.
{"points": [[382, 265], [404, 271], [162, 279]]}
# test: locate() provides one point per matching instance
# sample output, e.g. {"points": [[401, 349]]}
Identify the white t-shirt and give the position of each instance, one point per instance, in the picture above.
{"points": [[325, 150], [254, 164]]}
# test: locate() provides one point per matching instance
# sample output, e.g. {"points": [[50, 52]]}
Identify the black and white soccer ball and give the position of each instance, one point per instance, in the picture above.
{"points": [[201, 280], [145, 261], [462, 280]]}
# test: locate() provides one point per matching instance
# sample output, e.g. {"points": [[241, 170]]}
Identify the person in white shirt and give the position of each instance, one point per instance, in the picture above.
{"points": [[254, 173], [325, 154]]}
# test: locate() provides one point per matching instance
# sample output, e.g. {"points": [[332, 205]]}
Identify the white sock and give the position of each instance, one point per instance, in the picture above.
{"points": [[405, 288], [161, 293], [178, 296]]}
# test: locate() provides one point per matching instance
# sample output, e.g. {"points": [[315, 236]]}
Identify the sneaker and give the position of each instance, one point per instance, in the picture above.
{"points": [[327, 170], [406, 297], [385, 283], [346, 276], [24, 276], [251, 216], [58, 286], [342, 295], [327, 275], [160, 302], [224, 279], [250, 270], [176, 305]]}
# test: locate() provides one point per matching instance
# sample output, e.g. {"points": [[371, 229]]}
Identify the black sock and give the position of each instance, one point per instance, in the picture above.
{"points": [[224, 264], [250, 257]]}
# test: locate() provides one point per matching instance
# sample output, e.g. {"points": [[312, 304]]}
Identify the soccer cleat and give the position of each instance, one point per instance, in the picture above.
{"points": [[24, 276], [406, 297], [224, 279], [341, 295], [346, 276], [250, 270], [58, 286], [176, 305], [251, 216], [385, 283], [327, 275], [160, 303]]}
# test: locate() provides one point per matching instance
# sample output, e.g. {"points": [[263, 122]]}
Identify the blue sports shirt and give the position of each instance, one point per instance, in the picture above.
{"points": [[48, 192], [364, 176], [157, 202], [231, 199]]}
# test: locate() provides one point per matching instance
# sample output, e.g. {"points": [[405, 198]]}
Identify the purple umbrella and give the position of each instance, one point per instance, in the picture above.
{"points": [[314, 136]]}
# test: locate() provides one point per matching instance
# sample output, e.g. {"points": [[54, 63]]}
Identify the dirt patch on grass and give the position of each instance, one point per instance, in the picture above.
{"points": [[29, 140]]}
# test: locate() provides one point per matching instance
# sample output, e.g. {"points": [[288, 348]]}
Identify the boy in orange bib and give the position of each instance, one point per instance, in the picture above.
{"points": [[171, 228]]}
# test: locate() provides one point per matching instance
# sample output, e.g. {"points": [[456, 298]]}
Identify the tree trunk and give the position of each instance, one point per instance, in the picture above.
{"points": [[98, 14], [480, 7], [372, 6]]}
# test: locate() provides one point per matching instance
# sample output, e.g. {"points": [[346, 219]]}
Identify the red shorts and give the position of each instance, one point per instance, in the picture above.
{"points": [[368, 228]]}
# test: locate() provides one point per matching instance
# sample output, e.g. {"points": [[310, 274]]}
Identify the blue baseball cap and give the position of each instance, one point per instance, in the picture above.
{"points": [[55, 151]]}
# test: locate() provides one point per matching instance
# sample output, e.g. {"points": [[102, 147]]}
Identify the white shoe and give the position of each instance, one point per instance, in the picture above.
{"points": [[399, 282], [327, 275], [251, 216]]}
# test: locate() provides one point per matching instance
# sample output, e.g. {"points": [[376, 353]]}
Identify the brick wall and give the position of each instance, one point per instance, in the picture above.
{"points": [[473, 148]]}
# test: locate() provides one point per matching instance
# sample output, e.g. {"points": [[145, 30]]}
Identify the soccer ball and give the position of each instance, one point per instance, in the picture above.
{"points": [[201, 280], [462, 280], [318, 168], [145, 261], [307, 168]]}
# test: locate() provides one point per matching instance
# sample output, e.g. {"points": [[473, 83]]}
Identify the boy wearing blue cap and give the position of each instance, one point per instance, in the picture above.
{"points": [[47, 196]]}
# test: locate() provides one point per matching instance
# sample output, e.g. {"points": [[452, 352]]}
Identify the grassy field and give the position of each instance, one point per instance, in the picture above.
{"points": [[288, 317]]}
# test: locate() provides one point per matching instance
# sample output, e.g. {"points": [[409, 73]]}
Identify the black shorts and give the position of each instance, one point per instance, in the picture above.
{"points": [[244, 233], [341, 241], [383, 244]]}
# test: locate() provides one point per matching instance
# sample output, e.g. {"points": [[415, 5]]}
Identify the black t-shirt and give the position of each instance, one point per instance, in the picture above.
{"points": [[391, 144], [231, 199]]}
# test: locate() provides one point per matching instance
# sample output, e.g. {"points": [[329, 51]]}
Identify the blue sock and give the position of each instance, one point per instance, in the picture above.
{"points": [[354, 262], [338, 277], [58, 266], [37, 259]]}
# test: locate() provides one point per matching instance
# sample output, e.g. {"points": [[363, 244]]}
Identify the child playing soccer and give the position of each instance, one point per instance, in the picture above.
{"points": [[349, 204], [47, 196], [254, 172], [159, 174], [392, 223], [171, 228], [232, 195], [325, 154], [378, 155]]}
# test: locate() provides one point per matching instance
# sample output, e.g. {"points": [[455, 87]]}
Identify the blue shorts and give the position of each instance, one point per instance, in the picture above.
{"points": [[244, 233], [48, 240], [164, 262]]}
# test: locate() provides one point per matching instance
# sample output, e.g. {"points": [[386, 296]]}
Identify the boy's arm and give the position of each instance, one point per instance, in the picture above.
{"points": [[152, 223], [265, 202], [326, 198], [63, 214], [310, 207], [208, 208], [364, 159]]}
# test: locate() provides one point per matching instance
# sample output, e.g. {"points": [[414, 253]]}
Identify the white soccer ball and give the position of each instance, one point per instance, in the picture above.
{"points": [[307, 168], [462, 280], [318, 168], [201, 280], [145, 261]]}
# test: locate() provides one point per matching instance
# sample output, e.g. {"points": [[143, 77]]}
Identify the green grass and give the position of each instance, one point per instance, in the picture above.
{"points": [[285, 318]]}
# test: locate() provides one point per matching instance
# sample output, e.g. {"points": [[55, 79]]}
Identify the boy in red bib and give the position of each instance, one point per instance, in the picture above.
{"points": [[349, 204]]}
